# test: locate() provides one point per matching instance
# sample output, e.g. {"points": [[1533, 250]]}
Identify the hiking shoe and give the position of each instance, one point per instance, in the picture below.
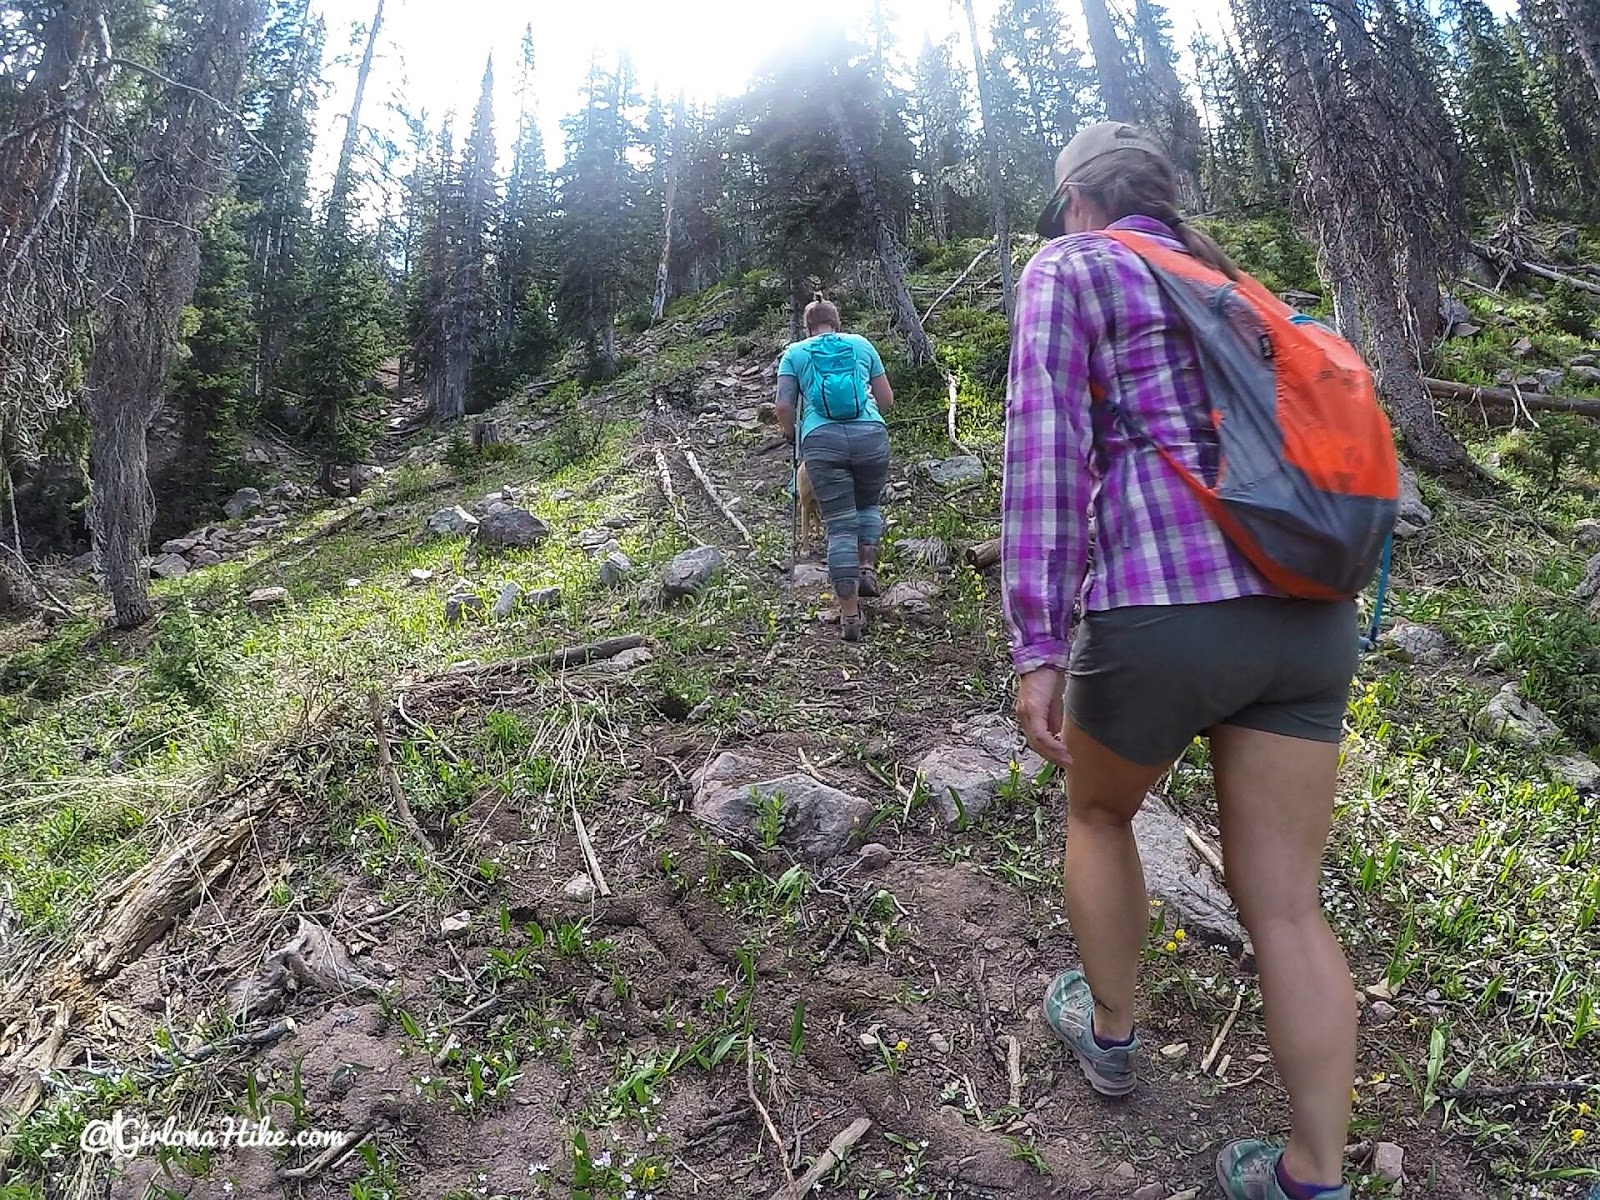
{"points": [[1247, 1170], [853, 629], [1069, 1011], [869, 587]]}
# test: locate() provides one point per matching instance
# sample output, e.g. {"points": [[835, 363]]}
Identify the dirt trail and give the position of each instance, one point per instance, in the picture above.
{"points": [[554, 1044]]}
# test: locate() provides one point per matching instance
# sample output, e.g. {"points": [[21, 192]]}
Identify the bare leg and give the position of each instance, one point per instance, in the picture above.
{"points": [[1276, 795], [1104, 878]]}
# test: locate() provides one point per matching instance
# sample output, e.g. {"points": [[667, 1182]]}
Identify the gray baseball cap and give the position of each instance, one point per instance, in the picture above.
{"points": [[1090, 144]]}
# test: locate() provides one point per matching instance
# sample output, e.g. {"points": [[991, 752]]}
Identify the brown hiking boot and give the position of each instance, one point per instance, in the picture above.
{"points": [[870, 588], [853, 629]]}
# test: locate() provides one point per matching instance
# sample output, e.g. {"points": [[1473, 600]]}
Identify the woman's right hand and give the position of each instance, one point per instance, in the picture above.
{"points": [[1041, 713]]}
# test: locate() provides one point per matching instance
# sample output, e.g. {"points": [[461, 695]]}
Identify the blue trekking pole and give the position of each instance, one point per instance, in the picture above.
{"points": [[1369, 640]]}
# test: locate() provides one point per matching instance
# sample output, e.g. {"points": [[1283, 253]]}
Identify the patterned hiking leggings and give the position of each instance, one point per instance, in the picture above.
{"points": [[848, 463]]}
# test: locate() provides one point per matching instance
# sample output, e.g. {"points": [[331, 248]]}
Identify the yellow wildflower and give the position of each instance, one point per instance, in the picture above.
{"points": [[1576, 1136], [900, 1046], [1180, 935], [1583, 1109], [1172, 947]]}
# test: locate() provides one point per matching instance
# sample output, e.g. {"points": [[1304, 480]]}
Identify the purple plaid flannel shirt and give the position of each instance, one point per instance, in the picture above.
{"points": [[1088, 312]]}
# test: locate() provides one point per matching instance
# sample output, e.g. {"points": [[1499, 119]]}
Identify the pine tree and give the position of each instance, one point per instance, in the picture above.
{"points": [[998, 204], [1051, 79], [1505, 140], [941, 117], [209, 387], [602, 226]]}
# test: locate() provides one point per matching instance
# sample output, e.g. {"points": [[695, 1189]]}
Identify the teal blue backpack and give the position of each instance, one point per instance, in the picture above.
{"points": [[838, 394]]}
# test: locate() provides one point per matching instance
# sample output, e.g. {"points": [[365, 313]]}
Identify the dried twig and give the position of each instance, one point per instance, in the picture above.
{"points": [[830, 1158], [330, 1157], [1204, 850], [722, 505], [960, 279], [950, 411], [664, 473], [1014, 1069], [59, 604], [589, 856], [766, 1119], [1222, 1034], [391, 776]]}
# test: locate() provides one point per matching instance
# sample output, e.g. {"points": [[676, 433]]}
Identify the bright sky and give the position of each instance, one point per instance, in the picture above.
{"points": [[432, 52]]}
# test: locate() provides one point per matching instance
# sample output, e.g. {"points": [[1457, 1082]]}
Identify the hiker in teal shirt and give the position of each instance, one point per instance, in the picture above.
{"points": [[844, 445]]}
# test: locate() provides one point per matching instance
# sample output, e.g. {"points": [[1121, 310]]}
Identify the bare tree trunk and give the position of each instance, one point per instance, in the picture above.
{"points": [[1182, 124], [1370, 183], [658, 303], [889, 256], [1115, 89], [340, 191], [991, 165], [1583, 18], [181, 162]]}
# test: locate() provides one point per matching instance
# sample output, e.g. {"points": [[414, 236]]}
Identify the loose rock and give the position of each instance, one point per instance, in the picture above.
{"points": [[263, 599], [1173, 873], [1589, 589], [926, 552], [455, 521], [688, 572], [974, 765], [1388, 1162], [511, 529], [1590, 375], [507, 600], [629, 659], [1150, 1191], [615, 569], [817, 822], [206, 558], [1413, 516], [875, 856], [912, 595], [1577, 771], [810, 575], [1496, 658], [179, 545], [1382, 1012], [418, 576], [1511, 719], [1587, 532], [285, 490], [1419, 644], [545, 597], [244, 502], [961, 471], [458, 604], [169, 566], [1174, 1051], [580, 887], [455, 926]]}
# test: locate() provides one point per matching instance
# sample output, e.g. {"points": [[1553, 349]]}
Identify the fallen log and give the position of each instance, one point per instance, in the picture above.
{"points": [[1494, 397], [984, 555], [960, 279]]}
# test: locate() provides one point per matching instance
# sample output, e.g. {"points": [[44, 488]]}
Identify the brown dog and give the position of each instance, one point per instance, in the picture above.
{"points": [[810, 514]]}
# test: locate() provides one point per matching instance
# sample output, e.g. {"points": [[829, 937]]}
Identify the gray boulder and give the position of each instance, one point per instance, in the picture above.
{"points": [[1588, 533], [511, 529], [1589, 589], [206, 558], [264, 599], [506, 602], [244, 502], [458, 604], [1511, 719], [179, 545], [912, 595], [1174, 872], [169, 566], [1414, 515], [545, 597], [1589, 375], [615, 569], [454, 521], [974, 765], [688, 572], [961, 471], [810, 575], [816, 821], [1577, 771], [1419, 644]]}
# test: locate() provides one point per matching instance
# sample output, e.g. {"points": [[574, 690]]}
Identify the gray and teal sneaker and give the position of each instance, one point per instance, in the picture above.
{"points": [[1069, 1011], [1247, 1170]]}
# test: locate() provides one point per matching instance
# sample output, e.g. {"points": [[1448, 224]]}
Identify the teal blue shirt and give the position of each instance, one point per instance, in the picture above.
{"points": [[796, 362]]}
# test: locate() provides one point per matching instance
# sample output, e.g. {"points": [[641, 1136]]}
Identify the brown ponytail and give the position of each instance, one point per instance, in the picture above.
{"points": [[821, 312], [1131, 183]]}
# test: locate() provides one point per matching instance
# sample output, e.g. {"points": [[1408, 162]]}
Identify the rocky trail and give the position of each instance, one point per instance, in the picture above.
{"points": [[698, 902]]}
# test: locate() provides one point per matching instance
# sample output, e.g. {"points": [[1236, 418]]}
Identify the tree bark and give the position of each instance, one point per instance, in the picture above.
{"points": [[1116, 92], [658, 303], [991, 165], [340, 191], [888, 248], [1583, 19], [181, 163]]}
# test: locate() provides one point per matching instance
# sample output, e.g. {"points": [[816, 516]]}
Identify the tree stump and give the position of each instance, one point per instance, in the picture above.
{"points": [[485, 433]]}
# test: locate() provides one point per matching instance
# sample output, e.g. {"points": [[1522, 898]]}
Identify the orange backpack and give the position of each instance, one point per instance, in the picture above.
{"points": [[1308, 484]]}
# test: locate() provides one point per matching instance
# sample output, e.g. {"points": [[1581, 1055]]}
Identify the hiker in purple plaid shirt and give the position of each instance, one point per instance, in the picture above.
{"points": [[1180, 637]]}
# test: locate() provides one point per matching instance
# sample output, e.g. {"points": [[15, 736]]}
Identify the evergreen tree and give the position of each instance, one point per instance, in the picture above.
{"points": [[603, 228], [941, 117], [209, 386], [1050, 79], [1497, 122]]}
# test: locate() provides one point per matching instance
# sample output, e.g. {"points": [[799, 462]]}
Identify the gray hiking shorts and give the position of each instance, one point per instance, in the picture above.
{"points": [[1145, 681]]}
